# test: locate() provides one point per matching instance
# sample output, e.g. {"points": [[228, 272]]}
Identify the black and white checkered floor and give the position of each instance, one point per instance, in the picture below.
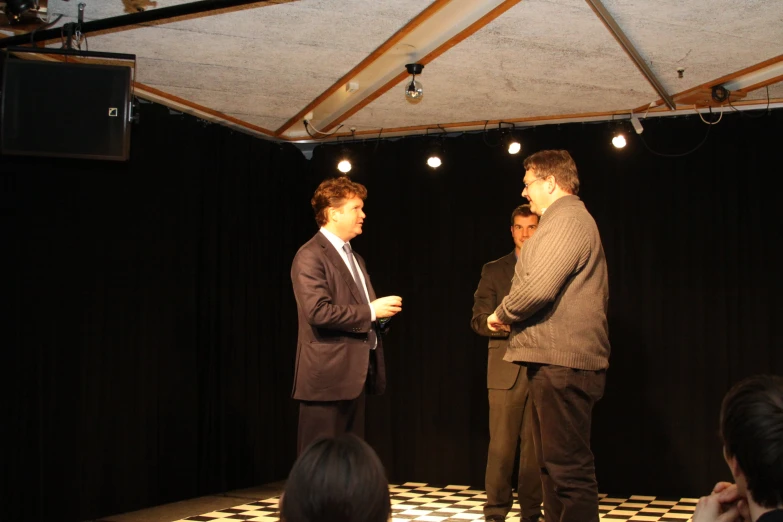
{"points": [[417, 501]]}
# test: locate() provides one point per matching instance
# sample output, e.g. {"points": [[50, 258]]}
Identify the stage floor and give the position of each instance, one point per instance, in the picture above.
{"points": [[422, 502]]}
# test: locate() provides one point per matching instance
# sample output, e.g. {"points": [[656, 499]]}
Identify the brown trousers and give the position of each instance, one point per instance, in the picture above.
{"points": [[510, 426]]}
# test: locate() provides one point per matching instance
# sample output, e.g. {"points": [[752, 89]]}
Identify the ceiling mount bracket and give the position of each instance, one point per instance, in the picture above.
{"points": [[414, 68]]}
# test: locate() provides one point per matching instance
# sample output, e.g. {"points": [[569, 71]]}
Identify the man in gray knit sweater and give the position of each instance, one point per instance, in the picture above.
{"points": [[557, 312]]}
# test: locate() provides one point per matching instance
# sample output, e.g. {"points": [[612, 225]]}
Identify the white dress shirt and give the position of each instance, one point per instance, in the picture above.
{"points": [[338, 244]]}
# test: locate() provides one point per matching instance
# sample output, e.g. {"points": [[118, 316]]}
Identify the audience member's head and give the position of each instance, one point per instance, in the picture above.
{"points": [[337, 480], [751, 425]]}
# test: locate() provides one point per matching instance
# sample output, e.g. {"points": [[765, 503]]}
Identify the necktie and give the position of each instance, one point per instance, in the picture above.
{"points": [[371, 335], [355, 273]]}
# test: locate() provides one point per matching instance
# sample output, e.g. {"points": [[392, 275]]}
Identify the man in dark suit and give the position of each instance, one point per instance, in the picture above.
{"points": [[509, 407], [339, 353]]}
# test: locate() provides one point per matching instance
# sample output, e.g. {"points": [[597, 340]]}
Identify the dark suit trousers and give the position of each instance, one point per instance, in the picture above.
{"points": [[563, 400], [510, 424], [320, 419]]}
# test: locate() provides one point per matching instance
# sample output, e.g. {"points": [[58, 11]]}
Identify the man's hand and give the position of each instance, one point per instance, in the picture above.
{"points": [[728, 493], [711, 509], [387, 306], [494, 324]]}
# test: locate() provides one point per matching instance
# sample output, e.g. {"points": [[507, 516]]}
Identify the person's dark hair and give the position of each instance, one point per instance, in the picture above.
{"points": [[751, 426], [521, 210], [557, 163], [336, 480], [333, 192]]}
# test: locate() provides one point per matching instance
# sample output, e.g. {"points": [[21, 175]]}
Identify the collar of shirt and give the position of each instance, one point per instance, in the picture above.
{"points": [[338, 244], [333, 239]]}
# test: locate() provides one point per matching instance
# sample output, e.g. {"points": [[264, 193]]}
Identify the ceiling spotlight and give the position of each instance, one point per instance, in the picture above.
{"points": [[414, 92], [618, 141], [14, 9], [435, 153], [344, 166], [513, 145]]}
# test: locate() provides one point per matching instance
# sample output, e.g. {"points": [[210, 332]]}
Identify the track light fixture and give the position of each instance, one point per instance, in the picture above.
{"points": [[435, 154], [14, 9], [619, 140], [344, 161], [512, 144], [414, 92], [619, 129], [506, 137]]}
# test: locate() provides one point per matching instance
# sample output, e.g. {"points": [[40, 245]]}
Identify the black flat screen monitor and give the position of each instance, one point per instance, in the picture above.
{"points": [[72, 110]]}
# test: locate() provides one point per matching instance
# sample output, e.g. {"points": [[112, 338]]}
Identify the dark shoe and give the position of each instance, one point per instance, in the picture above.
{"points": [[533, 519], [495, 518]]}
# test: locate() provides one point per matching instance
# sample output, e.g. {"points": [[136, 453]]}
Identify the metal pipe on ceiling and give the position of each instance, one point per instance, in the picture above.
{"points": [[616, 30], [116, 22]]}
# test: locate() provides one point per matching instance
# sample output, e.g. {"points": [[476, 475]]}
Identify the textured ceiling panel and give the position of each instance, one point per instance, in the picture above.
{"points": [[775, 91], [288, 53], [254, 107], [708, 38], [538, 59]]}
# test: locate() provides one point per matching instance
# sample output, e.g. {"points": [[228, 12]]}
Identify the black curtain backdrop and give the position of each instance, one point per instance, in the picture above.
{"points": [[149, 327], [148, 321]]}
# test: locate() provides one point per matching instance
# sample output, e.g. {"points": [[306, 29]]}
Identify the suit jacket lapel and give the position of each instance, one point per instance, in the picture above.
{"points": [[370, 290], [509, 265], [336, 259]]}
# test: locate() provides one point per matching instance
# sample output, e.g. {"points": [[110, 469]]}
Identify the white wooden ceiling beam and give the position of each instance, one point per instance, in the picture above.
{"points": [[428, 35]]}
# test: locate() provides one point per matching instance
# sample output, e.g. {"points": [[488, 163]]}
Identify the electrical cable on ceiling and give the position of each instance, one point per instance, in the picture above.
{"points": [[744, 113], [308, 125], [378, 140], [484, 136], [679, 155], [32, 33], [485, 133], [505, 134], [711, 122]]}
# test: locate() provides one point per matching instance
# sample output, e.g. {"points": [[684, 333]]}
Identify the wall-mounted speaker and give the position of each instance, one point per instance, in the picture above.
{"points": [[73, 110]]}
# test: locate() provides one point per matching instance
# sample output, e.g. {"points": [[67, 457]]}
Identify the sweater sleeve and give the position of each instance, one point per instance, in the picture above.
{"points": [[560, 250]]}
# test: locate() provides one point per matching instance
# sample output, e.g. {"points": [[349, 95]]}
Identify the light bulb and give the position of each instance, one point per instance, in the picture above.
{"points": [[619, 141], [344, 166], [414, 91], [514, 147], [434, 161]]}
